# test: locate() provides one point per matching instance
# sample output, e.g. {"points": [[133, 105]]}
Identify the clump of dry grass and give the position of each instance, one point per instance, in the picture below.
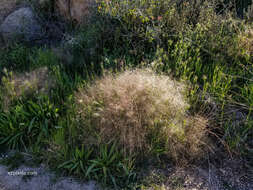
{"points": [[245, 41], [15, 85], [137, 106]]}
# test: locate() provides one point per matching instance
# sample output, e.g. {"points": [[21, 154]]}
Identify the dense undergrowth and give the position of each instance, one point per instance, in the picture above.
{"points": [[86, 114]]}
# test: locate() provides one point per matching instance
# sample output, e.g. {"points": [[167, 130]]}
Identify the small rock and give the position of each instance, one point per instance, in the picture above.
{"points": [[21, 25], [74, 10]]}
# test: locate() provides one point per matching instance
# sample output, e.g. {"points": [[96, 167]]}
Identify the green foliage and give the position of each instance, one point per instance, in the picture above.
{"points": [[203, 51], [16, 57], [188, 41], [105, 164], [21, 58], [79, 162], [28, 123], [110, 167], [66, 83], [43, 57]]}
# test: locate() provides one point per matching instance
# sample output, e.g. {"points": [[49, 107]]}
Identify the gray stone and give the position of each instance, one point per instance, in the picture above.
{"points": [[21, 25]]}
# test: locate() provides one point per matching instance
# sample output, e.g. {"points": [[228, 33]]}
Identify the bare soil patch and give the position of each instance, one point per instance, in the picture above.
{"points": [[228, 175]]}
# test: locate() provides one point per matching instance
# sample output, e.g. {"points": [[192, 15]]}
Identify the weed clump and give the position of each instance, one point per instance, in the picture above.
{"points": [[15, 86], [144, 113], [245, 41]]}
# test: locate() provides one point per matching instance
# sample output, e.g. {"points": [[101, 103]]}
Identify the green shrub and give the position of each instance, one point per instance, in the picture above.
{"points": [[79, 162], [28, 123], [16, 57], [21, 58], [105, 130], [110, 167], [189, 41]]}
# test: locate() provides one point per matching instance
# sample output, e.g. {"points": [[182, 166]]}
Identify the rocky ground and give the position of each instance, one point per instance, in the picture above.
{"points": [[229, 175], [40, 179]]}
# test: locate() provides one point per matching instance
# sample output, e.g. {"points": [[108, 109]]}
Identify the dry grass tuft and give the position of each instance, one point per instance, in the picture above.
{"points": [[17, 85], [246, 41], [136, 108]]}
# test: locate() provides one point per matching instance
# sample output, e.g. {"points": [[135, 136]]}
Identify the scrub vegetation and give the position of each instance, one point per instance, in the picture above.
{"points": [[142, 82]]}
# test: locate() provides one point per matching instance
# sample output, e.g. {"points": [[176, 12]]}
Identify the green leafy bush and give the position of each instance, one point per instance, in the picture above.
{"points": [[21, 58], [189, 41], [211, 50], [28, 123]]}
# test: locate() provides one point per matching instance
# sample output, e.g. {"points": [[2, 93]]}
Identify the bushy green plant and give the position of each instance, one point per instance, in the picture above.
{"points": [[15, 57], [191, 41], [110, 167], [27, 123], [43, 57], [79, 162], [21, 58]]}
